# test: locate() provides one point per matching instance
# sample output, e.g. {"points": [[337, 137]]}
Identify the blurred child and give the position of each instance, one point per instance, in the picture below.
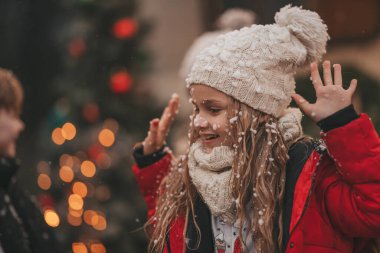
{"points": [[22, 227], [251, 181]]}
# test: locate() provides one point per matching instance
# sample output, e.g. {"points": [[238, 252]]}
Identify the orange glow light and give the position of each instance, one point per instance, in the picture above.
{"points": [[99, 222], [106, 137], [88, 168], [88, 215], [75, 202], [57, 136], [43, 167], [73, 220], [97, 248], [51, 218], [66, 160], [103, 161], [111, 124], [44, 181], [80, 189], [75, 213], [79, 247], [66, 174], [69, 131]]}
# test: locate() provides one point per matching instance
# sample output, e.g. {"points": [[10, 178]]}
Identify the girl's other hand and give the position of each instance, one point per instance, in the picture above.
{"points": [[159, 128], [331, 96]]}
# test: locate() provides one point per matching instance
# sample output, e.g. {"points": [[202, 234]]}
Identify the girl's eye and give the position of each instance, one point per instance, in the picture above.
{"points": [[214, 110], [196, 109]]}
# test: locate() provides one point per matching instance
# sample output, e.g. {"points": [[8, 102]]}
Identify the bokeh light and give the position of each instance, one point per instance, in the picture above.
{"points": [[121, 82], [57, 136], [66, 160], [97, 248], [69, 131], [103, 160], [125, 28], [66, 174], [44, 181], [111, 124], [43, 167], [75, 213], [106, 137], [99, 222], [88, 168], [79, 247], [75, 202], [80, 189], [51, 218], [88, 215], [74, 220]]}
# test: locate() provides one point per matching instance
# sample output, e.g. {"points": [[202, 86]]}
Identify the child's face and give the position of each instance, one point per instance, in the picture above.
{"points": [[10, 128], [211, 121]]}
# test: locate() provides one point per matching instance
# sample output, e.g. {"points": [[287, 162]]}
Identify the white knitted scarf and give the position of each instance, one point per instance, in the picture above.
{"points": [[211, 174]]}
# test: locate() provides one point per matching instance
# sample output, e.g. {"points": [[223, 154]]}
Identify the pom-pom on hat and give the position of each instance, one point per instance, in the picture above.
{"points": [[256, 64]]}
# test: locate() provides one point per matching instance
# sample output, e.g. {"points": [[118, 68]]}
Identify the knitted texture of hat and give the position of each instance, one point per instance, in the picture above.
{"points": [[256, 64], [229, 20]]}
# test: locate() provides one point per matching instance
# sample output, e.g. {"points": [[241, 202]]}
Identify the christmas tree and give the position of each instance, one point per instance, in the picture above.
{"points": [[88, 193]]}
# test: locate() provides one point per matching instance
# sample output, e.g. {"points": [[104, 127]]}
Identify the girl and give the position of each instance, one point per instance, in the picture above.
{"points": [[250, 182]]}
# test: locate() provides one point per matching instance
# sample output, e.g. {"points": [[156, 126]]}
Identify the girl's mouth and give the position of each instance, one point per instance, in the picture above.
{"points": [[211, 137]]}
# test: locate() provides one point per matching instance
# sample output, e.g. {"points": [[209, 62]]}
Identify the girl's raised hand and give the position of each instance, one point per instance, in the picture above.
{"points": [[159, 128], [331, 96]]}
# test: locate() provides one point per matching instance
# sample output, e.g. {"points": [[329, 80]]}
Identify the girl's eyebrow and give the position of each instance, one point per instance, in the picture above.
{"points": [[209, 102]]}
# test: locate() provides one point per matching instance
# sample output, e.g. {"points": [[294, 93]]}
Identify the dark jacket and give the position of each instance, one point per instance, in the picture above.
{"points": [[22, 227]]}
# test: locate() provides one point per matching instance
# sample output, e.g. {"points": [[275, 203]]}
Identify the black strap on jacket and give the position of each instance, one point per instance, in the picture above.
{"points": [[203, 219]]}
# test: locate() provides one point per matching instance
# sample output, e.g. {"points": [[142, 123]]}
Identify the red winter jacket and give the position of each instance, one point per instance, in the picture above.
{"points": [[336, 204]]}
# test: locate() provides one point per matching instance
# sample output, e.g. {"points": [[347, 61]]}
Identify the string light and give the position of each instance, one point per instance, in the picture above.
{"points": [[79, 247], [87, 216], [106, 137], [125, 28], [88, 168], [121, 82], [69, 131], [66, 160], [66, 174], [44, 181], [43, 167], [57, 136], [80, 189], [75, 202], [74, 221], [97, 248], [51, 218]]}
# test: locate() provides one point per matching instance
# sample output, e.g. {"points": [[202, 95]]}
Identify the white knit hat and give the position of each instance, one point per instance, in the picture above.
{"points": [[256, 64], [229, 20]]}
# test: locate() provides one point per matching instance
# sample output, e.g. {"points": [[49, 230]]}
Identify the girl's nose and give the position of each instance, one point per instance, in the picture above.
{"points": [[200, 121]]}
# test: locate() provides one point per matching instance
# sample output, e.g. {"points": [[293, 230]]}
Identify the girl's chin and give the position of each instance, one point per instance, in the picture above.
{"points": [[208, 145]]}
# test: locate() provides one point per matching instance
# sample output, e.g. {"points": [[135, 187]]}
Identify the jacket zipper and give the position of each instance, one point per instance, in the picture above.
{"points": [[307, 200]]}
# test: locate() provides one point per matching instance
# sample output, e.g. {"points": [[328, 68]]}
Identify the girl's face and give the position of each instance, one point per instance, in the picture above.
{"points": [[211, 121]]}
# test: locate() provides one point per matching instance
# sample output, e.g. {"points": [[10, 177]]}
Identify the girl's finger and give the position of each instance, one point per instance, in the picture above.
{"points": [[315, 77], [168, 116], [337, 74], [302, 103], [150, 142], [352, 88], [327, 73]]}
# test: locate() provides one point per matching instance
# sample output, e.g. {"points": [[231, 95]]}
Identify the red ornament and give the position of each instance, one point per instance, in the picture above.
{"points": [[45, 201], [77, 47], [125, 28], [94, 151], [121, 82]]}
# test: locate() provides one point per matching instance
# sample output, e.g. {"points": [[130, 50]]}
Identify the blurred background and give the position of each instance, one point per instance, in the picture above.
{"points": [[96, 71]]}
